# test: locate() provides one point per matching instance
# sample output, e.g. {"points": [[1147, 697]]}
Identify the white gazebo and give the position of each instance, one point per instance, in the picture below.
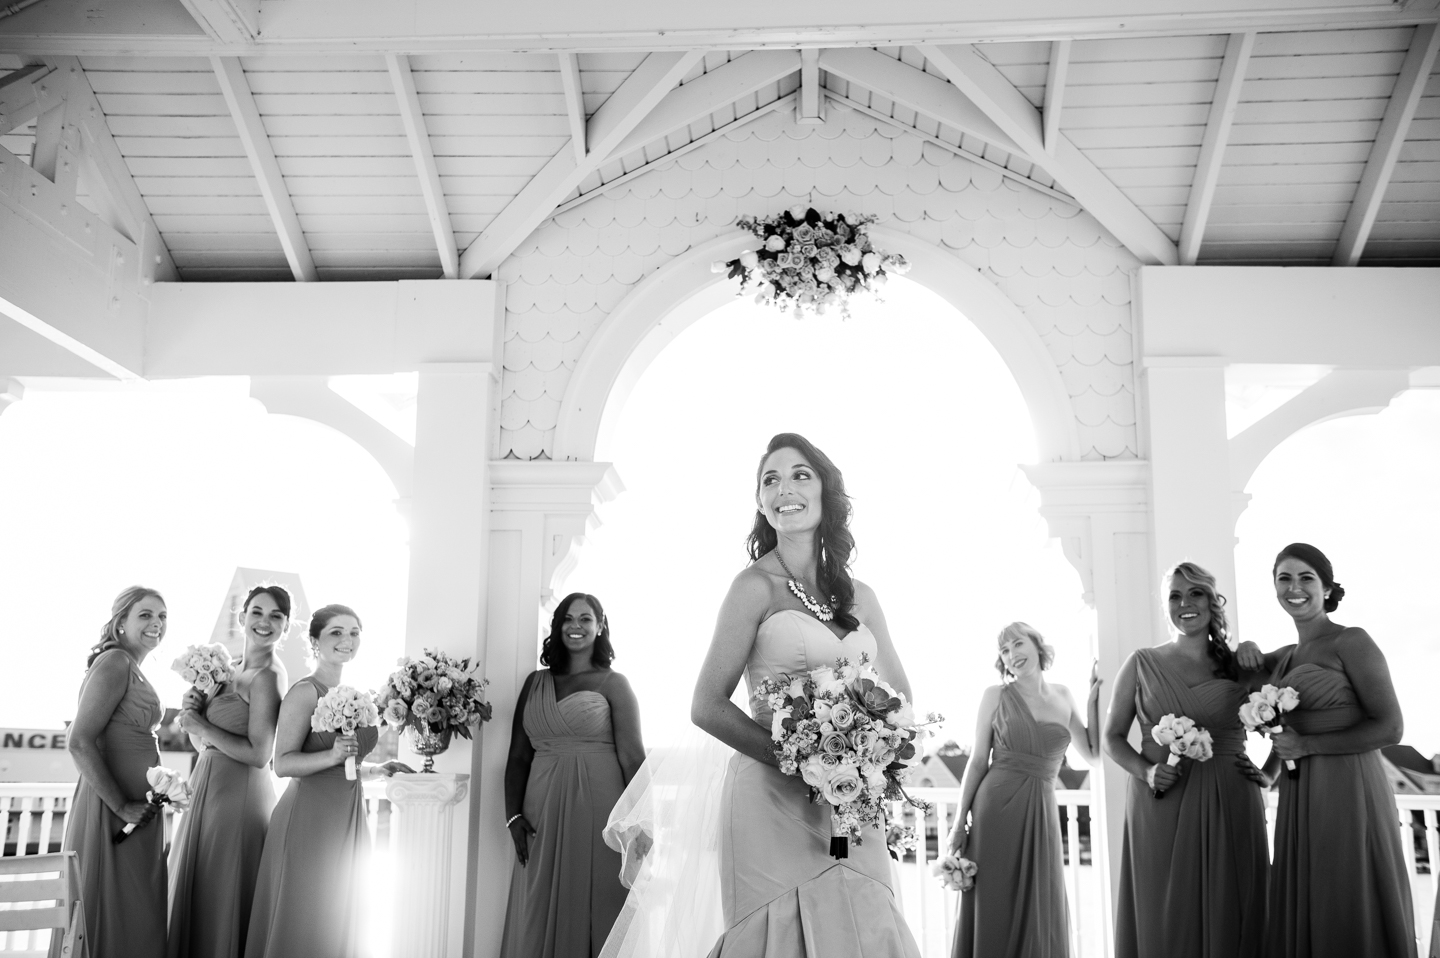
{"points": [[1128, 197]]}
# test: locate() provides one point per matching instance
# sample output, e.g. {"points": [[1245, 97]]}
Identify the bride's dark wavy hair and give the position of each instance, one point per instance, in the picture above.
{"points": [[833, 541]]}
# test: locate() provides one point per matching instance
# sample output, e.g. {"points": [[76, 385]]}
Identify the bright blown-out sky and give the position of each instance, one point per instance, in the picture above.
{"points": [[176, 484]]}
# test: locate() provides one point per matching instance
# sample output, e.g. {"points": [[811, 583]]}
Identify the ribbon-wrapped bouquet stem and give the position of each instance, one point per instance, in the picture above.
{"points": [[851, 737], [1264, 714], [166, 788]]}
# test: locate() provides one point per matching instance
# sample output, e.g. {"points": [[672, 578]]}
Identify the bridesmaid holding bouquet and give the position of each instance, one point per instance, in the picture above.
{"points": [[1017, 908], [112, 741], [1193, 863], [308, 901], [1339, 886], [215, 857]]}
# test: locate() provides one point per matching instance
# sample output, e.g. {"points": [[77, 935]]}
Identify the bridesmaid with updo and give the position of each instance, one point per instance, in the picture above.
{"points": [[112, 741], [308, 901], [216, 853], [1339, 886]]}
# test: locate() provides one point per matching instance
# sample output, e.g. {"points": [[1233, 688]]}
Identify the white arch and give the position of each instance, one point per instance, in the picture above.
{"points": [[684, 289]]}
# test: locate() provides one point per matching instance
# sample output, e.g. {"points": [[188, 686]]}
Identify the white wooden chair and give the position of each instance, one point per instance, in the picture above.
{"points": [[43, 891]]}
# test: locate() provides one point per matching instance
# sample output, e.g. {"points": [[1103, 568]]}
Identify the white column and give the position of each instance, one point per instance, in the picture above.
{"points": [[541, 512], [1098, 510], [449, 529], [425, 811], [11, 392]]}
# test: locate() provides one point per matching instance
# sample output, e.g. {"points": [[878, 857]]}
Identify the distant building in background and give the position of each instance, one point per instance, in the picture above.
{"points": [[229, 632]]}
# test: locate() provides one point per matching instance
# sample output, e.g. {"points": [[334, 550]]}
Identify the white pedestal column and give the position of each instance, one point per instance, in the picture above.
{"points": [[425, 807]]}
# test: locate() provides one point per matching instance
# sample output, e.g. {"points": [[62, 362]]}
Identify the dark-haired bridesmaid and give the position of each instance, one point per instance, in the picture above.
{"points": [[1017, 908], [574, 746], [1339, 885], [1193, 862], [215, 856], [112, 741], [308, 901]]}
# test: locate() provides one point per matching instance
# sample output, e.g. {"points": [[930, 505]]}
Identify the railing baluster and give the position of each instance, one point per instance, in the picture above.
{"points": [[22, 827], [47, 820]]}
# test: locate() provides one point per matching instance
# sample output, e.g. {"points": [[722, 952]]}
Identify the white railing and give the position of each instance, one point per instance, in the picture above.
{"points": [[37, 812], [33, 817]]}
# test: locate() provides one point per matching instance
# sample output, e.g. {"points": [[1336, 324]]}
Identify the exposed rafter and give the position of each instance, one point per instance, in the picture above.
{"points": [[1419, 61], [916, 90], [102, 158], [262, 161], [1055, 91], [809, 109], [656, 76], [414, 120], [1212, 145], [705, 94], [20, 96], [987, 87], [227, 21], [574, 102]]}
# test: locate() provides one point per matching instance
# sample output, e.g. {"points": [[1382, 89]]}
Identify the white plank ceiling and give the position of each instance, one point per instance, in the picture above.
{"points": [[1307, 113]]}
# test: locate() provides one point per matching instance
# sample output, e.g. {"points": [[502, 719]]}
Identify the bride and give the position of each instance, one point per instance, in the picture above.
{"points": [[765, 858]]}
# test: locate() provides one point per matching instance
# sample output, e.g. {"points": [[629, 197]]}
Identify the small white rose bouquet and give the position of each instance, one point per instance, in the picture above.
{"points": [[166, 788], [434, 696], [851, 737], [205, 667], [1264, 714], [955, 873], [1184, 739], [343, 710]]}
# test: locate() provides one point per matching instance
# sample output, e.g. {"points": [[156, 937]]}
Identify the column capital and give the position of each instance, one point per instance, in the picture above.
{"points": [[11, 392], [1084, 501], [427, 788]]}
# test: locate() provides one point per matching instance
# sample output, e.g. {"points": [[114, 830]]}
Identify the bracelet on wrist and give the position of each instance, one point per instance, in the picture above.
{"points": [[514, 818]]}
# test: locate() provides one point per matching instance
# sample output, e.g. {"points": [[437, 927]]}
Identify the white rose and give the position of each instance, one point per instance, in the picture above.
{"points": [[1266, 713], [842, 716], [822, 712], [870, 262], [822, 676], [796, 688], [749, 260], [775, 243], [851, 256], [814, 772], [1288, 699], [204, 681], [843, 786], [799, 210], [903, 717], [189, 675], [1248, 716], [875, 778]]}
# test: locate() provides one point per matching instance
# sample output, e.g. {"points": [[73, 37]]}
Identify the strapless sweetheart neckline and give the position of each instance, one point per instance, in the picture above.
{"points": [[810, 618]]}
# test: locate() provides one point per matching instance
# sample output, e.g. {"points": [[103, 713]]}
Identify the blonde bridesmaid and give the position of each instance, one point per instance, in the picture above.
{"points": [[112, 741], [308, 901], [1017, 908], [216, 852]]}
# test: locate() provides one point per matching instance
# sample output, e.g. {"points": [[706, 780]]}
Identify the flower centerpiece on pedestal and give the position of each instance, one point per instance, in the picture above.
{"points": [[810, 260], [434, 696]]}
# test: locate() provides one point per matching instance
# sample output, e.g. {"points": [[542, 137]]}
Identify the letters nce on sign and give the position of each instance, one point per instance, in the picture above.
{"points": [[35, 755]]}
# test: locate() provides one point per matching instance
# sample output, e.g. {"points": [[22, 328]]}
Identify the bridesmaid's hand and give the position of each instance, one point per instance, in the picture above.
{"points": [[1249, 656], [192, 699], [345, 747], [1162, 777], [1248, 769], [387, 769], [1095, 680], [959, 838], [136, 813], [520, 832], [190, 721], [1289, 744]]}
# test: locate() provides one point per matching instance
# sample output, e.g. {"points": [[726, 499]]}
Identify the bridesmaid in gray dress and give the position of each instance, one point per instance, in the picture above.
{"points": [[216, 852], [575, 745], [308, 896], [1339, 886], [113, 743], [1017, 908]]}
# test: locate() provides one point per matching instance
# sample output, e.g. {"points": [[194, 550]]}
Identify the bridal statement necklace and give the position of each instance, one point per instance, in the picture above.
{"points": [[820, 610]]}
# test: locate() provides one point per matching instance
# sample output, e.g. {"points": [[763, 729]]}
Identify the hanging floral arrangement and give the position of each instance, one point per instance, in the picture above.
{"points": [[811, 261]]}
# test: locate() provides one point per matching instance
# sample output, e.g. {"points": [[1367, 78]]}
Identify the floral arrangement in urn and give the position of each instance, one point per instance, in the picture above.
{"points": [[434, 696], [810, 260]]}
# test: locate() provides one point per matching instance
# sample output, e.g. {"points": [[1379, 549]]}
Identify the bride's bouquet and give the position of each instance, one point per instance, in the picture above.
{"points": [[1264, 712], [344, 709], [205, 667], [166, 788], [1184, 739], [851, 737], [955, 873]]}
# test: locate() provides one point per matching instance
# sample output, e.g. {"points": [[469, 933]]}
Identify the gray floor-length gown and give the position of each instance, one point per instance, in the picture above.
{"points": [[309, 893], [1193, 864], [215, 855], [1339, 886], [782, 894], [1017, 908], [565, 899], [122, 887]]}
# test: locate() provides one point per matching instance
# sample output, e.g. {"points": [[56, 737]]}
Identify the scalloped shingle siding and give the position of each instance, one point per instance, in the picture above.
{"points": [[1064, 271]]}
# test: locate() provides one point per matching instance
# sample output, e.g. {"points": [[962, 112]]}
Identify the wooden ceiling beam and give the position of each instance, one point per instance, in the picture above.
{"points": [[1055, 91], [1409, 85], [227, 21], [1008, 108], [616, 118], [20, 96], [1213, 143], [256, 143], [574, 102], [413, 119]]}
